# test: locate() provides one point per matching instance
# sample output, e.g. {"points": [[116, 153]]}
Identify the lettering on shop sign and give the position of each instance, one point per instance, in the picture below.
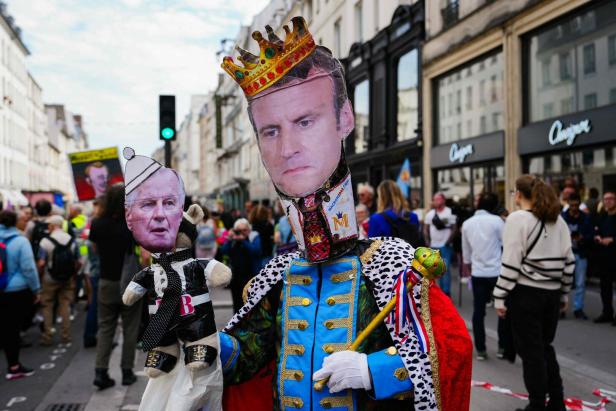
{"points": [[558, 134], [459, 153]]}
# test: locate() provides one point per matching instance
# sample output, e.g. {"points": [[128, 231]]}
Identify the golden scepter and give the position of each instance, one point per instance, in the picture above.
{"points": [[430, 265]]}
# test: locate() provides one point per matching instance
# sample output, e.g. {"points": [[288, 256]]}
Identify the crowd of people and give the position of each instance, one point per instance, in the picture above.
{"points": [[524, 263]]}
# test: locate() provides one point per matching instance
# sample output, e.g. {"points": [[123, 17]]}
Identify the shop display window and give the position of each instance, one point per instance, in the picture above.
{"points": [[474, 99], [588, 167], [463, 184], [571, 65]]}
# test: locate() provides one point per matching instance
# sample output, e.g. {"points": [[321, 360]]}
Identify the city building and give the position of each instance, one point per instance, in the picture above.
{"points": [[209, 175], [15, 140], [512, 87], [37, 138], [383, 75], [186, 151], [34, 138], [65, 135]]}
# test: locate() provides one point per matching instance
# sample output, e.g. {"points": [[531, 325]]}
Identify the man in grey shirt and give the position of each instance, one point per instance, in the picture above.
{"points": [[482, 250]]}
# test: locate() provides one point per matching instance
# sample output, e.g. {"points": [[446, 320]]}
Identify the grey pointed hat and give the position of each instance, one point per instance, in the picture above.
{"points": [[138, 169]]}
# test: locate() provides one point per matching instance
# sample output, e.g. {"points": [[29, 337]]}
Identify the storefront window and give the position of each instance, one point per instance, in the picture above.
{"points": [[474, 99], [588, 167], [455, 183], [463, 184], [568, 70], [408, 97], [361, 105]]}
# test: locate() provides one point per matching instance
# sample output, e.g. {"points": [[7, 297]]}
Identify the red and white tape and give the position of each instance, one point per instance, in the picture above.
{"points": [[572, 403]]}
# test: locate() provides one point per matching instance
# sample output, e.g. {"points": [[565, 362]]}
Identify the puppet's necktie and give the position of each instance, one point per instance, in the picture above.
{"points": [[168, 309], [317, 242]]}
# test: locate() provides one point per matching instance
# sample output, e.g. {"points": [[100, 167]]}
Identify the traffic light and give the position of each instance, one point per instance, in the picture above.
{"points": [[166, 110]]}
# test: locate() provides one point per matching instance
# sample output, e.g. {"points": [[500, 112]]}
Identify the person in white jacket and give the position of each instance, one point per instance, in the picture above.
{"points": [[536, 276]]}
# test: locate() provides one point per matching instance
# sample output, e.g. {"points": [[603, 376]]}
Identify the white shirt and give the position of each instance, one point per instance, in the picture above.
{"points": [[482, 242], [438, 238]]}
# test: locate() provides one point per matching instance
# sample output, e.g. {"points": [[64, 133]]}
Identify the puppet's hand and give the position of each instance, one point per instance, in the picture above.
{"points": [[217, 274], [345, 369], [133, 293]]}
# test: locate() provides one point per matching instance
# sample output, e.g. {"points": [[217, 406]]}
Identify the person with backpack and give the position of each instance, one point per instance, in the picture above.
{"points": [[536, 276], [58, 261], [393, 218], [38, 228], [19, 290]]}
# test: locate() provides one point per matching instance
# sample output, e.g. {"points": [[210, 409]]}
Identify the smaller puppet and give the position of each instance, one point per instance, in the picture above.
{"points": [[177, 284], [194, 324]]}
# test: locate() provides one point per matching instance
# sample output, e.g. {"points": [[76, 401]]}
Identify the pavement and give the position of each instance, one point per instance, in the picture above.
{"points": [[64, 374]]}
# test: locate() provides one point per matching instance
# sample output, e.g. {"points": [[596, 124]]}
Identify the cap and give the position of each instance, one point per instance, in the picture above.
{"points": [[138, 169]]}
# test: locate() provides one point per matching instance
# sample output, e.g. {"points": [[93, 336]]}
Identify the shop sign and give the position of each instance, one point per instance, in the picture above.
{"points": [[558, 134], [459, 153]]}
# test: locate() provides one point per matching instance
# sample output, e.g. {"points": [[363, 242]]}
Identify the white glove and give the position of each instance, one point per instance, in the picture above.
{"points": [[345, 369]]}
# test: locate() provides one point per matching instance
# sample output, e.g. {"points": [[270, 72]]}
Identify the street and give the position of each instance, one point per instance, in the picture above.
{"points": [[63, 378]]}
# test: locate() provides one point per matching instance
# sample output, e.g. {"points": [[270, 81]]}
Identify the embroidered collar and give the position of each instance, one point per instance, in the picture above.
{"points": [[324, 222]]}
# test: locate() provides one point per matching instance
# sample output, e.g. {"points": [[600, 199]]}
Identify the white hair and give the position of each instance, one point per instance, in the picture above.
{"points": [[361, 207], [241, 221], [365, 187], [131, 197]]}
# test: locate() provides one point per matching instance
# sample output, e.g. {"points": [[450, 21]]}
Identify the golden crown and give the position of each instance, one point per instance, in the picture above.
{"points": [[276, 59]]}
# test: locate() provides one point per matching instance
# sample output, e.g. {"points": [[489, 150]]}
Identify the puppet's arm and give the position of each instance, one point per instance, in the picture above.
{"points": [[216, 273], [137, 287]]}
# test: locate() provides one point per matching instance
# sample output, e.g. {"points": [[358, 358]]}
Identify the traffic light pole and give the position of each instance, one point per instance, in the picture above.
{"points": [[167, 153]]}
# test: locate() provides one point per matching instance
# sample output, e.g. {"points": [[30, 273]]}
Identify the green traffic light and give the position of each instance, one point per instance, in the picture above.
{"points": [[167, 133]]}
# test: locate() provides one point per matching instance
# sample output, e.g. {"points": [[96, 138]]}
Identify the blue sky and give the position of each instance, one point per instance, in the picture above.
{"points": [[109, 60]]}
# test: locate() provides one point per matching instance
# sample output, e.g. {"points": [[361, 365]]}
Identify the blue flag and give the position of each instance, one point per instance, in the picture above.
{"points": [[404, 178]]}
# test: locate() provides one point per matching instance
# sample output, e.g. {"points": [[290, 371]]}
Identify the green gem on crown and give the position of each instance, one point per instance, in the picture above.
{"points": [[270, 52], [239, 74]]}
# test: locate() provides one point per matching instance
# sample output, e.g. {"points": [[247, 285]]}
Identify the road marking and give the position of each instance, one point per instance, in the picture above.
{"points": [[15, 400]]}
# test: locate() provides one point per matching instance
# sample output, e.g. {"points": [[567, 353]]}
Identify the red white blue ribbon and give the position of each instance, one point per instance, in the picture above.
{"points": [[406, 310]]}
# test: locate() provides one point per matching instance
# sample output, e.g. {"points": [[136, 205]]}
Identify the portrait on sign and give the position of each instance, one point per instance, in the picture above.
{"points": [[94, 171]]}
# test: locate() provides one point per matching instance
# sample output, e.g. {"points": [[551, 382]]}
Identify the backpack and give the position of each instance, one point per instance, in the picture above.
{"points": [[62, 261], [4, 273], [40, 231], [402, 228]]}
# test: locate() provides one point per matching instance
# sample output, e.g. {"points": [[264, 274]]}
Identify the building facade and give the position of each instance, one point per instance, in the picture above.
{"points": [[65, 135], [186, 158], [512, 87], [383, 76], [15, 140], [34, 138]]}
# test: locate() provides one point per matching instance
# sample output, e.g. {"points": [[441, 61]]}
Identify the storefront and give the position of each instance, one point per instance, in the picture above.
{"points": [[383, 76], [463, 169], [570, 99], [579, 147], [468, 153]]}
